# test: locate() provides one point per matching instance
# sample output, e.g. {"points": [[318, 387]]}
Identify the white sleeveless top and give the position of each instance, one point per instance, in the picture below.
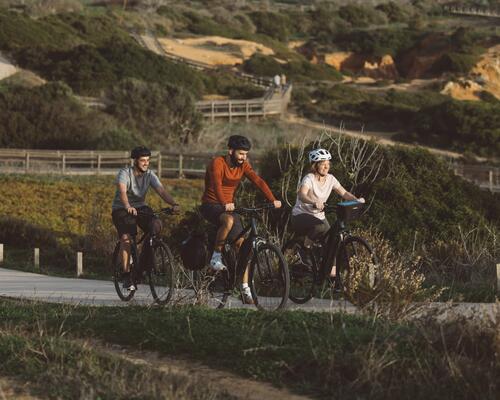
{"points": [[318, 191]]}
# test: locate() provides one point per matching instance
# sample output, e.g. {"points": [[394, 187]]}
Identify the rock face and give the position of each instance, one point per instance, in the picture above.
{"points": [[373, 67], [484, 77], [6, 68]]}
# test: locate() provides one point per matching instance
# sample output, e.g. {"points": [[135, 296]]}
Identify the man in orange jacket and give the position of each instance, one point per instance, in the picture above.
{"points": [[222, 178]]}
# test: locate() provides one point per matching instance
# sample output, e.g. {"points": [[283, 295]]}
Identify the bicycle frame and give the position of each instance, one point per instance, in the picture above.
{"points": [[250, 243], [337, 233]]}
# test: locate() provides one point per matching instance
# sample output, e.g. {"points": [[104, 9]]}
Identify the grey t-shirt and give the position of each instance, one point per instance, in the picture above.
{"points": [[137, 187]]}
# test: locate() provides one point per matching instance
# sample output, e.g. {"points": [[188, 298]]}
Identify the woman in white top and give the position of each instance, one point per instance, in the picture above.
{"points": [[308, 217]]}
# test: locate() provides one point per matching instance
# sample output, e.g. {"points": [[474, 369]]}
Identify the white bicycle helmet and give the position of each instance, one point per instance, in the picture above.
{"points": [[319, 155]]}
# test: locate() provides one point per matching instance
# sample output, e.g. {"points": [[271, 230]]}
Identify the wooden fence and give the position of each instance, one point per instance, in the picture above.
{"points": [[73, 162], [230, 109], [166, 164], [485, 177], [150, 42], [473, 11]]}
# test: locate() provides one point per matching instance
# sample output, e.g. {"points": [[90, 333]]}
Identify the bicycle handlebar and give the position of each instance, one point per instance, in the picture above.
{"points": [[166, 211], [248, 210]]}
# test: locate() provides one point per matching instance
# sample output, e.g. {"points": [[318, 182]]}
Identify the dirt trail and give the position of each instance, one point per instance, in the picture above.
{"points": [[13, 389], [383, 138], [6, 68], [224, 381]]}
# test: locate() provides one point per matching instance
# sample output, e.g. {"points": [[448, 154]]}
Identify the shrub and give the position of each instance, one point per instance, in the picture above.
{"points": [[360, 16], [272, 24], [461, 125], [165, 114], [50, 117]]}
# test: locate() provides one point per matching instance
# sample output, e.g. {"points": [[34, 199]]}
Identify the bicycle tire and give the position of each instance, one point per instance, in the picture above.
{"points": [[303, 276], [123, 294], [269, 278], [355, 246], [161, 277]]}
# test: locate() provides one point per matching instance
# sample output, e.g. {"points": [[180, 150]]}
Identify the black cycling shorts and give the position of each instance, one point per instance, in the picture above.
{"points": [[211, 212], [126, 223]]}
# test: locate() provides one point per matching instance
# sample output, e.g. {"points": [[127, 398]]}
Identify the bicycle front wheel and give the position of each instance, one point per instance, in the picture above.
{"points": [[161, 274], [123, 294], [302, 272], [269, 279], [357, 269]]}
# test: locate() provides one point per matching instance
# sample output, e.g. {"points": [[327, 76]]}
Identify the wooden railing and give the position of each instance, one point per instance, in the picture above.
{"points": [[485, 177], [150, 42], [84, 162], [261, 107], [473, 11]]}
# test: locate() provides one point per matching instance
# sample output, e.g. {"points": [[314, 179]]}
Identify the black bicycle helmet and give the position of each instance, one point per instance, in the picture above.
{"points": [[237, 142], [139, 152]]}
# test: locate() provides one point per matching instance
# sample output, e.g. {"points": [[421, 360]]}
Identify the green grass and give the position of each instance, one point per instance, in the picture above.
{"points": [[57, 368], [324, 355]]}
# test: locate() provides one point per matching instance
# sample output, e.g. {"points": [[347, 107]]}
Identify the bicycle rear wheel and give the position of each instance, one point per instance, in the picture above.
{"points": [[269, 279], [123, 294], [357, 268], [161, 275], [302, 275]]}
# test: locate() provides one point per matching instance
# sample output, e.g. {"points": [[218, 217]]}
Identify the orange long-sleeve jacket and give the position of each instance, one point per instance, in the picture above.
{"points": [[221, 181]]}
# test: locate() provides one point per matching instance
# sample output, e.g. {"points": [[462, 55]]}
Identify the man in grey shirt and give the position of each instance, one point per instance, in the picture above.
{"points": [[129, 207]]}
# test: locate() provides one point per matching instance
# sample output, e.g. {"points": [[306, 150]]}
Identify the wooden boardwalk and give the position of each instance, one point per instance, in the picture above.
{"points": [[166, 164]]}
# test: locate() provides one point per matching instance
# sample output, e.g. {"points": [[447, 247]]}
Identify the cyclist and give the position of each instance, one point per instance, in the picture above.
{"points": [[308, 218], [129, 208], [223, 175]]}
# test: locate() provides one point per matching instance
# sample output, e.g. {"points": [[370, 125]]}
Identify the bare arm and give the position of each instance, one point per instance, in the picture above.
{"points": [[122, 190], [166, 197], [303, 195], [345, 194]]}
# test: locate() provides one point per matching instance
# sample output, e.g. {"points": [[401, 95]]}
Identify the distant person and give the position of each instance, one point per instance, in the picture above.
{"points": [[129, 208], [308, 218], [222, 178], [283, 80], [277, 82]]}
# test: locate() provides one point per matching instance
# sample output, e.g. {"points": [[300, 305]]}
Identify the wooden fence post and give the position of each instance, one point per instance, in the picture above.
{"points": [[181, 166], [490, 179], [37, 258], [230, 115], [1, 253], [212, 114], [79, 264], [27, 162], [498, 278], [63, 163], [99, 160], [159, 165], [247, 112]]}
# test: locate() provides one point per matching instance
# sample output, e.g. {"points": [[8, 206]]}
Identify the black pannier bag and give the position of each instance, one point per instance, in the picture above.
{"points": [[194, 251]]}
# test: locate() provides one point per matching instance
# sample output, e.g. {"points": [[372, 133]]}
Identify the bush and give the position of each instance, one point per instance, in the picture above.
{"points": [[461, 125], [361, 16], [165, 114], [272, 24], [50, 117]]}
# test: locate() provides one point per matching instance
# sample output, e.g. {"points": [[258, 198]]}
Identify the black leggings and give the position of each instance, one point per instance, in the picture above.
{"points": [[310, 226]]}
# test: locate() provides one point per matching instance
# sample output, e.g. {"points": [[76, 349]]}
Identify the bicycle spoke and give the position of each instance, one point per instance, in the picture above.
{"points": [[161, 274], [269, 278], [302, 275]]}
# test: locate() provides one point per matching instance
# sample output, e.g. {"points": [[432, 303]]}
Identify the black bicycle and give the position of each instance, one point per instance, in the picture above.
{"points": [[352, 255], [268, 271], [158, 267]]}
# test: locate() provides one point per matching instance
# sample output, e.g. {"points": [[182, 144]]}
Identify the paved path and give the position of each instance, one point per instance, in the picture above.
{"points": [[52, 289], [102, 293]]}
